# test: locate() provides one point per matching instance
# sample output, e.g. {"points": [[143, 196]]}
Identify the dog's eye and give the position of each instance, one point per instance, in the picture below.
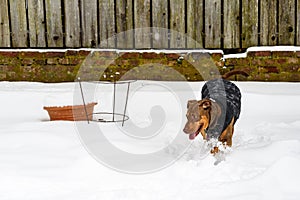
{"points": [[194, 116]]}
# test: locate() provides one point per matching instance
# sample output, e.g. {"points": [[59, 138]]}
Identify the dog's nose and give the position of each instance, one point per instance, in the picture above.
{"points": [[186, 130]]}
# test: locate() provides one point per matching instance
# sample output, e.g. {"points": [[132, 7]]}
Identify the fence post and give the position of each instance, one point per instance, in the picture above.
{"points": [[18, 23], [249, 23], [4, 26], [231, 23], [287, 22], [54, 23], [213, 24]]}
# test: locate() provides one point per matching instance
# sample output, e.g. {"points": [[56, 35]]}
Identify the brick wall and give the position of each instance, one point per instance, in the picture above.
{"points": [[63, 66], [268, 65]]}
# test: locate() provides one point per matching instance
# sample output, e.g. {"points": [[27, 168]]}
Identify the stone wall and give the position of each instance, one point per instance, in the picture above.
{"points": [[64, 65]]}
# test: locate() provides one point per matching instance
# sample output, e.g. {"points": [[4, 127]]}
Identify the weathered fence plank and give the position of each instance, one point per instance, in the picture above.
{"points": [[213, 24], [298, 23], [142, 24], [4, 25], [107, 23], [268, 22], [249, 23], [160, 17], [72, 25], [231, 22], [36, 20], [287, 22], [54, 23], [124, 22], [194, 22], [177, 24], [18, 23], [89, 22]]}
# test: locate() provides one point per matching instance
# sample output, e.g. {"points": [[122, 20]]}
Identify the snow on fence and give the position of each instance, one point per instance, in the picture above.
{"points": [[225, 24]]}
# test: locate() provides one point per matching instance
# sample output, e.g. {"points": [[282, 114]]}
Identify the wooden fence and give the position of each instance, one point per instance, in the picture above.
{"points": [[214, 24]]}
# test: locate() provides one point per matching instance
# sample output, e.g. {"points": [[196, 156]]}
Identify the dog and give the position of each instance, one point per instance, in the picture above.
{"points": [[215, 115]]}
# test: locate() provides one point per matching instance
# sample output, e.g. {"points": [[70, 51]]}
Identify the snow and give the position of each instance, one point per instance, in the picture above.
{"points": [[236, 55], [179, 51], [42, 159], [119, 51], [274, 48], [262, 48]]}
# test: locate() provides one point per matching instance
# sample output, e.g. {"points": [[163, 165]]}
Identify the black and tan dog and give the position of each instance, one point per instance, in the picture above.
{"points": [[216, 114]]}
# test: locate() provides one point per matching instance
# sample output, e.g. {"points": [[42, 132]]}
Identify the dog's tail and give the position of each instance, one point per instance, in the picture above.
{"points": [[234, 72]]}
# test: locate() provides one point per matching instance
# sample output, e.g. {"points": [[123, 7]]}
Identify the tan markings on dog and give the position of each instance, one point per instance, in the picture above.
{"points": [[205, 122], [225, 137], [214, 151]]}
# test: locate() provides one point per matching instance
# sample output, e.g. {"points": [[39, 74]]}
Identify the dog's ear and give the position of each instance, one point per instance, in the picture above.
{"points": [[191, 102], [205, 104]]}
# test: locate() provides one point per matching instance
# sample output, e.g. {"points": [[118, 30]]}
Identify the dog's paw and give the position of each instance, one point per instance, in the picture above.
{"points": [[214, 150], [219, 150]]}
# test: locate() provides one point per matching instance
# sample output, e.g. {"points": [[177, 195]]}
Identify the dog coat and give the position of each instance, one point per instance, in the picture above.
{"points": [[228, 96]]}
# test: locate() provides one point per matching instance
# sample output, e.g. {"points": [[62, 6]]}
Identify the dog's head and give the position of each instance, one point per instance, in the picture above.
{"points": [[201, 115]]}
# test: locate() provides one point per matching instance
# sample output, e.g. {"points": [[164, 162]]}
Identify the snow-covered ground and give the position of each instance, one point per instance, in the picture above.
{"points": [[42, 159]]}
